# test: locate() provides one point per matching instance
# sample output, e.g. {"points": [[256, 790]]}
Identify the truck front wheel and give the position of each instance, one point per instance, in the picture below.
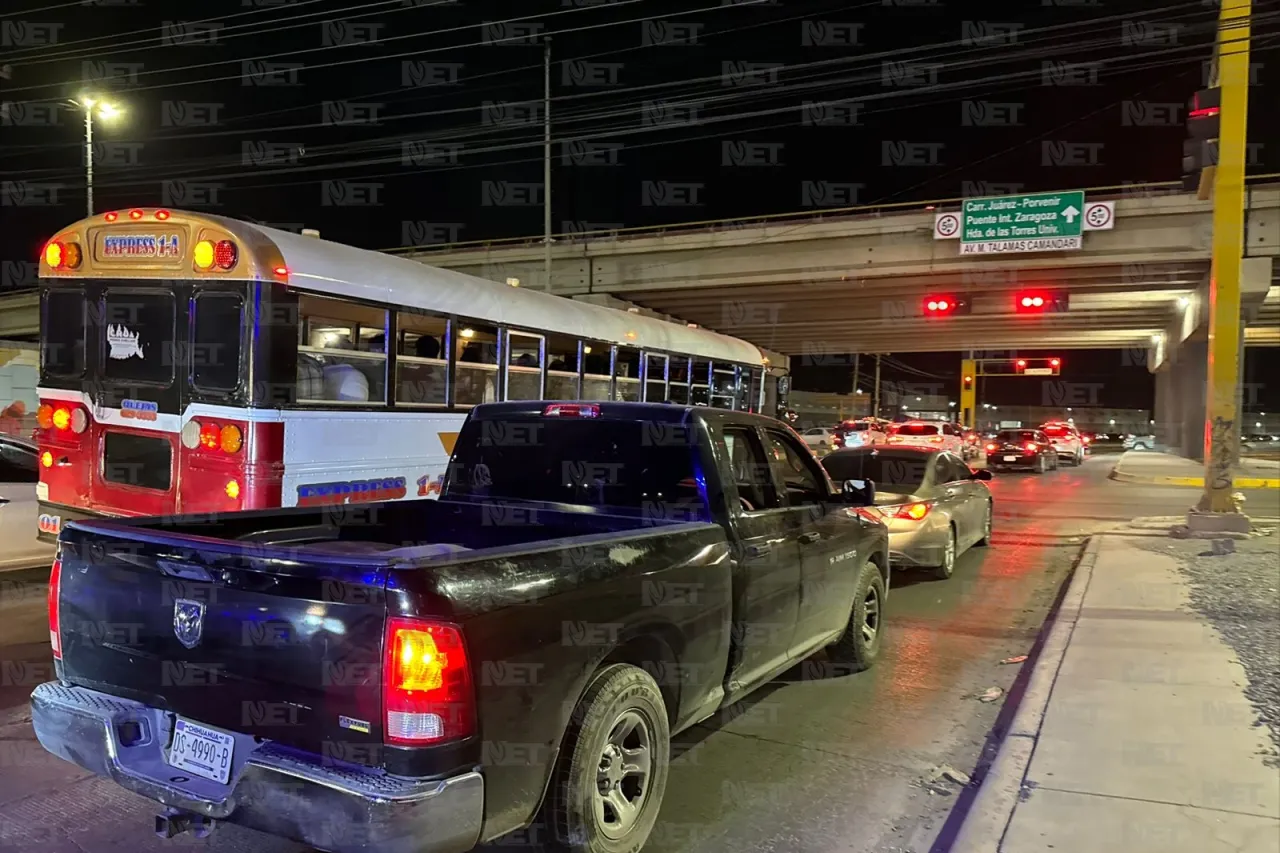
{"points": [[612, 772], [859, 645]]}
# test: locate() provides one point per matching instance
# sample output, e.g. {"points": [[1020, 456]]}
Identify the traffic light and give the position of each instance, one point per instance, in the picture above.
{"points": [[1055, 363], [1200, 151], [1040, 301], [1021, 364], [946, 304], [968, 380]]}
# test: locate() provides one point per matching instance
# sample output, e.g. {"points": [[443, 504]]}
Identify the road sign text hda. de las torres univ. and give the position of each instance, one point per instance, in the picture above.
{"points": [[1034, 222]]}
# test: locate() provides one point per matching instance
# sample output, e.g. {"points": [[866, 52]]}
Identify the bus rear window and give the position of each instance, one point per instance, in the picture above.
{"points": [[137, 329], [63, 333], [216, 334]]}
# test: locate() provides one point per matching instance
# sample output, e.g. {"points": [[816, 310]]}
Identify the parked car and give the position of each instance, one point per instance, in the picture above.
{"points": [[1028, 449], [1139, 442], [19, 512], [935, 505], [934, 435], [432, 675], [1066, 441], [864, 432], [818, 438]]}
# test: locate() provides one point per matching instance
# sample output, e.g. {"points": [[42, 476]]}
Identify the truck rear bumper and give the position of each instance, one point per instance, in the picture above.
{"points": [[328, 805]]}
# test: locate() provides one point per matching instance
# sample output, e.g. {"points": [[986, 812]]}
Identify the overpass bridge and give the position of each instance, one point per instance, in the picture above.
{"points": [[855, 280]]}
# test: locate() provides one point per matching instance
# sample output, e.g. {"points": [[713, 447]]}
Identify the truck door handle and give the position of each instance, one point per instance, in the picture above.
{"points": [[758, 550], [811, 536]]}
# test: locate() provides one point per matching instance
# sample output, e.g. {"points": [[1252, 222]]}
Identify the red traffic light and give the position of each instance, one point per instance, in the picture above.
{"points": [[1022, 362], [1040, 301], [1055, 362], [945, 304], [968, 379]]}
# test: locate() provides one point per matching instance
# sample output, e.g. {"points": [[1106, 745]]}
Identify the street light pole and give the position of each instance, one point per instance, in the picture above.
{"points": [[546, 162], [88, 158]]}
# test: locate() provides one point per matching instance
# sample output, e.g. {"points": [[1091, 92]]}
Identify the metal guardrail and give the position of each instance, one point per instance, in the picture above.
{"points": [[1115, 191]]}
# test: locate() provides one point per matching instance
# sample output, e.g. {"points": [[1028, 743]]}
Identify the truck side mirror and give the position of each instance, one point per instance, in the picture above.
{"points": [[859, 492]]}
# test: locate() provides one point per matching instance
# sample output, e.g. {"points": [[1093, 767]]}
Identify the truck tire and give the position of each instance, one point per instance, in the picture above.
{"points": [[618, 729], [859, 645]]}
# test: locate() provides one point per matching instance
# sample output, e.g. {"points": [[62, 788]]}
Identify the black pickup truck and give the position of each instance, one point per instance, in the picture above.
{"points": [[431, 675]]}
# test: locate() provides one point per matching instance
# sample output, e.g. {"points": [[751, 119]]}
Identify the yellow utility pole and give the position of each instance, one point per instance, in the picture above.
{"points": [[1222, 429]]}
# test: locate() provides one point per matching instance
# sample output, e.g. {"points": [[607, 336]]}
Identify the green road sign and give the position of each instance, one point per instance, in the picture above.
{"points": [[1037, 222]]}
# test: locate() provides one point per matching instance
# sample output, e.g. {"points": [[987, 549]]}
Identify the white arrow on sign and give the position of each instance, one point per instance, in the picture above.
{"points": [[1070, 214]]}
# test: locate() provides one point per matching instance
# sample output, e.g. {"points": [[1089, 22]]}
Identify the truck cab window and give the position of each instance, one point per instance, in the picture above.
{"points": [[750, 470], [802, 483]]}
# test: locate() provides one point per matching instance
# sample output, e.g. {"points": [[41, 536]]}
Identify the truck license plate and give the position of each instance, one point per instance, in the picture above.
{"points": [[1011, 459], [201, 750]]}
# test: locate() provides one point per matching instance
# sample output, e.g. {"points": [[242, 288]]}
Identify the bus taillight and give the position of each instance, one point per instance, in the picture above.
{"points": [[212, 437], [62, 256], [62, 418]]}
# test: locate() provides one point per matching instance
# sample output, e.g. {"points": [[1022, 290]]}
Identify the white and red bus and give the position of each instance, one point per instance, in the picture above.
{"points": [[193, 363]]}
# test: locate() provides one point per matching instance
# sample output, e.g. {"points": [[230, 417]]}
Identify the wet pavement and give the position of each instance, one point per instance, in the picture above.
{"points": [[810, 763]]}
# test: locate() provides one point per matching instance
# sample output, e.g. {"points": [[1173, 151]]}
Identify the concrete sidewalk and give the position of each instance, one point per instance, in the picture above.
{"points": [[1134, 733], [1165, 469]]}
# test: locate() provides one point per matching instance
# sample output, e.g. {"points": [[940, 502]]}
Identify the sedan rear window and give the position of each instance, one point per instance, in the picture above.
{"points": [[915, 429], [1016, 435], [884, 468]]}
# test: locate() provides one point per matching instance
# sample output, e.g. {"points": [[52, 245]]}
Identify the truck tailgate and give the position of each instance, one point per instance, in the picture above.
{"points": [[235, 636]]}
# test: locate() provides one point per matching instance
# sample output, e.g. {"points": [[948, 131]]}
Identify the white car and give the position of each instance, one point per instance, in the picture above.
{"points": [[1067, 440], [863, 432], [936, 435], [818, 438], [19, 513]]}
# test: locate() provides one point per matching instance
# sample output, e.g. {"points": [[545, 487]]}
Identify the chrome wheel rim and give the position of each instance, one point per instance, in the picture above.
{"points": [[622, 775], [870, 615]]}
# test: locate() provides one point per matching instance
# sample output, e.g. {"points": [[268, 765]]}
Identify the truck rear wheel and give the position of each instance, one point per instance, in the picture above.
{"points": [[859, 645], [612, 772]]}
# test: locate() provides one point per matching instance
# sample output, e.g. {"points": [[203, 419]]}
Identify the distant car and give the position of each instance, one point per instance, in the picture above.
{"points": [[1028, 449], [1139, 442], [818, 438], [935, 506], [934, 435], [1066, 440], [864, 432], [19, 513]]}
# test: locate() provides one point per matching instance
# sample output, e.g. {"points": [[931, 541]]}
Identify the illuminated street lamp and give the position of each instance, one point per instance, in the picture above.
{"points": [[107, 112]]}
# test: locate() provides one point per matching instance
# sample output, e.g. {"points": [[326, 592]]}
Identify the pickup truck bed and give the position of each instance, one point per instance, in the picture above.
{"points": [[425, 676]]}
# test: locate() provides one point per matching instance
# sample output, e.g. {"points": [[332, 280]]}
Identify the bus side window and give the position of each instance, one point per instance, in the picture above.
{"points": [[422, 364], [341, 353], [628, 374], [678, 390], [562, 367], [700, 390], [477, 364], [597, 370], [723, 385]]}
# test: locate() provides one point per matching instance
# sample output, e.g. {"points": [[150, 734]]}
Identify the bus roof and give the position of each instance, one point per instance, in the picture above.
{"points": [[336, 269]]}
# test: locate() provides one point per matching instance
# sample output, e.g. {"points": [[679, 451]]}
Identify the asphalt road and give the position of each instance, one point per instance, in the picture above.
{"points": [[812, 762]]}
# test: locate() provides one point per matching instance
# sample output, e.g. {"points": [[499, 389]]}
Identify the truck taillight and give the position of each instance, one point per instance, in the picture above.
{"points": [[55, 632], [572, 410], [427, 694]]}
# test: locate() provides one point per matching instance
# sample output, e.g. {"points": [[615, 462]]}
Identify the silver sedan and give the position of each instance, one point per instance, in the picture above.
{"points": [[935, 506]]}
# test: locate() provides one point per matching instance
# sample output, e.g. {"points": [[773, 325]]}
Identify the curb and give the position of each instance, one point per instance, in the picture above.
{"points": [[991, 810], [1197, 482]]}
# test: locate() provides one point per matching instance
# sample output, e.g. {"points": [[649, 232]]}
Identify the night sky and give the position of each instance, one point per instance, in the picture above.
{"points": [[410, 121]]}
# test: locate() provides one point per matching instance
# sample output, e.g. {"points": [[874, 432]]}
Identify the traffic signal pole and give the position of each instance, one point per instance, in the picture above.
{"points": [[968, 392], [1222, 428]]}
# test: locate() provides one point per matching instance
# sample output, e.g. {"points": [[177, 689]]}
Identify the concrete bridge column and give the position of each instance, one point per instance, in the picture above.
{"points": [[1167, 416], [1191, 376]]}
